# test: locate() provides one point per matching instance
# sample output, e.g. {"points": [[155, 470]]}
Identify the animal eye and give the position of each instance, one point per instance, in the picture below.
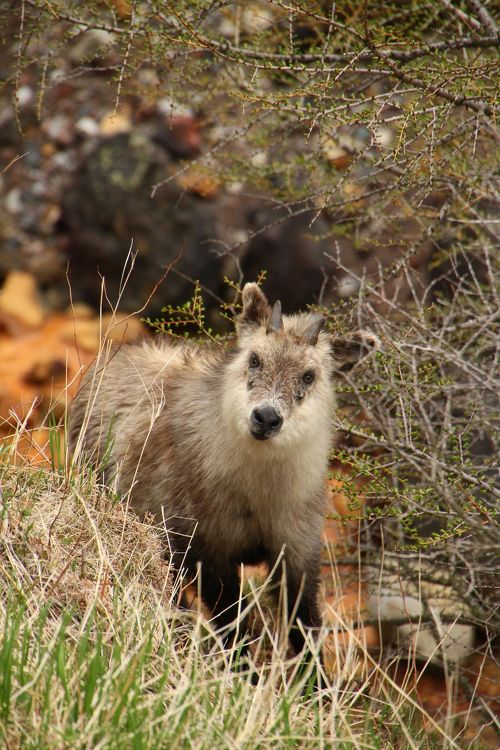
{"points": [[254, 361], [308, 377]]}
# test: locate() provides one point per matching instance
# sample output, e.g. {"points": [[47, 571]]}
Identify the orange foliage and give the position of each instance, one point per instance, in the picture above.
{"points": [[42, 357]]}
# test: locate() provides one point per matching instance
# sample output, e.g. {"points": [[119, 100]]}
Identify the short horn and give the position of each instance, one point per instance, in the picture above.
{"points": [[312, 332], [276, 322]]}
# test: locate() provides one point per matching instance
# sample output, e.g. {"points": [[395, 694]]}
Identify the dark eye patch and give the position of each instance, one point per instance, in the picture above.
{"points": [[308, 377], [254, 361]]}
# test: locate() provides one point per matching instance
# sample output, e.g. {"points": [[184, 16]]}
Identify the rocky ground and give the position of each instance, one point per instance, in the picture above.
{"points": [[77, 172]]}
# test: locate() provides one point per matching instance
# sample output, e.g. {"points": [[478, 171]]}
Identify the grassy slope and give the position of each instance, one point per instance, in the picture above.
{"points": [[94, 654]]}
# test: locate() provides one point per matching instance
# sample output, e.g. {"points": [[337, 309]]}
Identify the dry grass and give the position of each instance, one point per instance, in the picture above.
{"points": [[68, 543], [95, 653]]}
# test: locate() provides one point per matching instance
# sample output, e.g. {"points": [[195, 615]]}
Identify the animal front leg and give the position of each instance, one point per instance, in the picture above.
{"points": [[220, 589], [302, 591]]}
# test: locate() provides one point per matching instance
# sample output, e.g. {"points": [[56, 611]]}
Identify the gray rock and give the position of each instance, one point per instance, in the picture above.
{"points": [[109, 207]]}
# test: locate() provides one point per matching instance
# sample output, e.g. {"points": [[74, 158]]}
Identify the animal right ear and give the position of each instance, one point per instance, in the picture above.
{"points": [[256, 309], [348, 350]]}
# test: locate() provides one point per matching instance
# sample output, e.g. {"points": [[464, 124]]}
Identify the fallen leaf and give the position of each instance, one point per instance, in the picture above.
{"points": [[19, 299], [116, 122], [199, 182]]}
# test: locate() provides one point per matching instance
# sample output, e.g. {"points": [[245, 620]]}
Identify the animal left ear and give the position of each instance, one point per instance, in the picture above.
{"points": [[348, 350], [311, 334], [256, 308]]}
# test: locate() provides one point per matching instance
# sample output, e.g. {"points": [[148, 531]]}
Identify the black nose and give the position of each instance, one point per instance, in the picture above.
{"points": [[265, 422]]}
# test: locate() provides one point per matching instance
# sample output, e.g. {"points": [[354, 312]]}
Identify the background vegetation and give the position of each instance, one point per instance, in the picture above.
{"points": [[373, 126]]}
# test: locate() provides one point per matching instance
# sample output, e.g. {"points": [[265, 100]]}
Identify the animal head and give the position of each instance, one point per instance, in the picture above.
{"points": [[279, 382]]}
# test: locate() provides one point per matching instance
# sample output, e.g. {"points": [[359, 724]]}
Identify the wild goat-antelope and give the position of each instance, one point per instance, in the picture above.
{"points": [[228, 448]]}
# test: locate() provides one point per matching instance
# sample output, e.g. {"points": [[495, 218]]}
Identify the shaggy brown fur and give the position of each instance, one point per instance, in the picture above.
{"points": [[229, 449]]}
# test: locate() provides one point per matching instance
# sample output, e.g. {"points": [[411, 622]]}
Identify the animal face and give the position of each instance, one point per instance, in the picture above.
{"points": [[279, 383]]}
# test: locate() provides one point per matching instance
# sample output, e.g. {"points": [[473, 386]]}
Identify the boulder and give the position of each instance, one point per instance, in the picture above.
{"points": [[109, 210]]}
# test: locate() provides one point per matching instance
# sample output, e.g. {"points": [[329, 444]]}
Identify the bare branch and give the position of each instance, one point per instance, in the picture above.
{"points": [[486, 20]]}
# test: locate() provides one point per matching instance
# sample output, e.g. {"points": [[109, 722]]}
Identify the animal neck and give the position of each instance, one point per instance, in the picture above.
{"points": [[288, 469]]}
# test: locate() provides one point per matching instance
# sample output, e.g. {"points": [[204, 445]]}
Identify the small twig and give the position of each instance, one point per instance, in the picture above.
{"points": [[487, 21], [125, 59], [13, 161], [470, 22]]}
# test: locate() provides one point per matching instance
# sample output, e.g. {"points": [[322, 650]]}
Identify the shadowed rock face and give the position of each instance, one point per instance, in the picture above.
{"points": [[293, 252], [110, 204]]}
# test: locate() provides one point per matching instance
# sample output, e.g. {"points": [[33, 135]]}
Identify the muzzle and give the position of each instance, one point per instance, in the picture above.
{"points": [[265, 422]]}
